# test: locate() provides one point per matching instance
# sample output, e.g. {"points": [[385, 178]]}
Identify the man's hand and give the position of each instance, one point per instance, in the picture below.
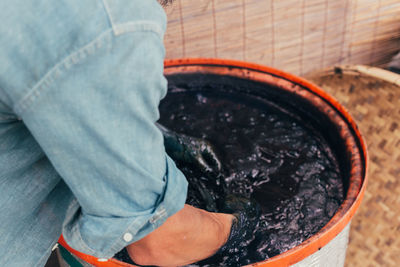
{"points": [[188, 236], [190, 150]]}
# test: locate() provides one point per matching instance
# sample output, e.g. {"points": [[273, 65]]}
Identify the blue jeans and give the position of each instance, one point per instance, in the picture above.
{"points": [[80, 84]]}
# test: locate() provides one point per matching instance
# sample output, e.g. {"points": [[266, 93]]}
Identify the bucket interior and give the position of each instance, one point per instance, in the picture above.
{"points": [[300, 109], [293, 104], [304, 102]]}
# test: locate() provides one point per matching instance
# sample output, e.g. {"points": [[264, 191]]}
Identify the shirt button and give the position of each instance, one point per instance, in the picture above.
{"points": [[128, 237]]}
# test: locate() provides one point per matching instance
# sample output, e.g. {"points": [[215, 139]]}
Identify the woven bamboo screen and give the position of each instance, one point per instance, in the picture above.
{"points": [[294, 35]]}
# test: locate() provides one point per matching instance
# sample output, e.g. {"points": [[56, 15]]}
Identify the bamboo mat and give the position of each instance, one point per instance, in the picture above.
{"points": [[375, 105], [294, 35]]}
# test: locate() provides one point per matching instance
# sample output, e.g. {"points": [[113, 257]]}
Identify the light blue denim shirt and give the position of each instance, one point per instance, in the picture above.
{"points": [[80, 85]]}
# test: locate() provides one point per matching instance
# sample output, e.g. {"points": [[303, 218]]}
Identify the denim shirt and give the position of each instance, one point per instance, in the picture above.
{"points": [[80, 85]]}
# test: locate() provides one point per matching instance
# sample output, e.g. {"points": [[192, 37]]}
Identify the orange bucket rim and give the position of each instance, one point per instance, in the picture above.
{"points": [[341, 218]]}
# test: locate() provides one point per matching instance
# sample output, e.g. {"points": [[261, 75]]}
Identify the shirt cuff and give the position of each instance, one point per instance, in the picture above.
{"points": [[81, 231]]}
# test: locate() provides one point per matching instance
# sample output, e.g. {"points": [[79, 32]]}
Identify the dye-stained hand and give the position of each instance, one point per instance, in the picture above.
{"points": [[235, 203], [247, 213], [190, 150], [200, 155]]}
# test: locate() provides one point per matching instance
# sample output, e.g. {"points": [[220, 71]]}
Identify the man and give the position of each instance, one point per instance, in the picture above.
{"points": [[80, 84]]}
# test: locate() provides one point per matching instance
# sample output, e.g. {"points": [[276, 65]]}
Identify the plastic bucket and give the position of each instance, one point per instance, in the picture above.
{"points": [[328, 246]]}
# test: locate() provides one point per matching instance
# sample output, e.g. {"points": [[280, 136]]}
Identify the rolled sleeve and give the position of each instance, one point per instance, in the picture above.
{"points": [[94, 116], [111, 234]]}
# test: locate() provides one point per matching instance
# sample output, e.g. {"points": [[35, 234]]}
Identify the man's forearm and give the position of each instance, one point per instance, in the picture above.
{"points": [[188, 236]]}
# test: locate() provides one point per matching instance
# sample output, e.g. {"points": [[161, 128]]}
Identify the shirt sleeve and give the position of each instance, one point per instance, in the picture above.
{"points": [[93, 115]]}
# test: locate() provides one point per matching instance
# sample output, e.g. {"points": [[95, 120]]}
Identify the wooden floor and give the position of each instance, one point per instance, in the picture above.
{"points": [[375, 105]]}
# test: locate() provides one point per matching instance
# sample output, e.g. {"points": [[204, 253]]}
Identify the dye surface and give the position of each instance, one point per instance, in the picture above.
{"points": [[268, 155]]}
